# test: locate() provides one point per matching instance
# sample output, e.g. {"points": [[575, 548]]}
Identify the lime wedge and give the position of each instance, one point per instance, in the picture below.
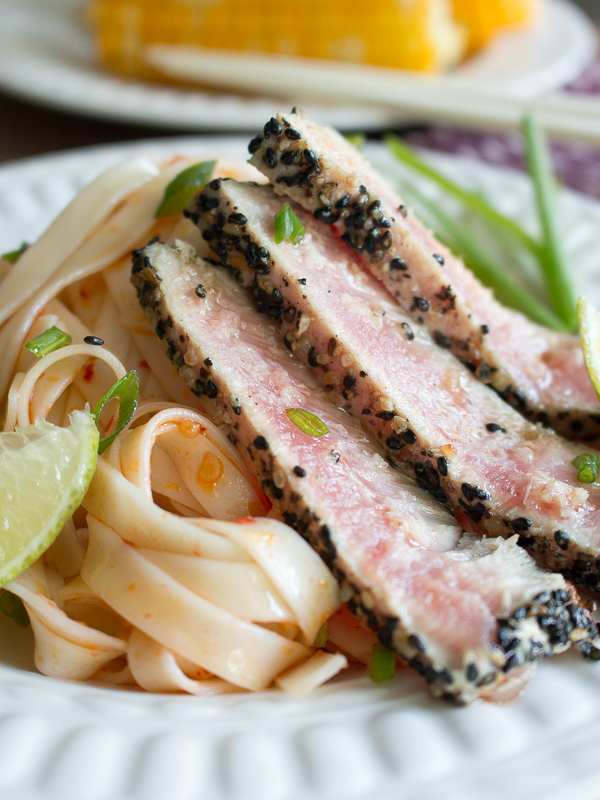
{"points": [[589, 330], [44, 473]]}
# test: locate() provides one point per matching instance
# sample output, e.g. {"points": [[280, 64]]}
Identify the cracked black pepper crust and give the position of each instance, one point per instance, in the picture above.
{"points": [[550, 623], [279, 298], [379, 235]]}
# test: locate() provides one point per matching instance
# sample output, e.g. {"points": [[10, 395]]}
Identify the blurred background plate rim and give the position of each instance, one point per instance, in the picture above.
{"points": [[45, 57]]}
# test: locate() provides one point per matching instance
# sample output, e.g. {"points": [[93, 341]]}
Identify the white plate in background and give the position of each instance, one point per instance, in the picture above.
{"points": [[353, 741], [47, 55]]}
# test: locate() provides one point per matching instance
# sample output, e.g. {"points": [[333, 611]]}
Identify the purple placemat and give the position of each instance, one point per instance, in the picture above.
{"points": [[577, 166]]}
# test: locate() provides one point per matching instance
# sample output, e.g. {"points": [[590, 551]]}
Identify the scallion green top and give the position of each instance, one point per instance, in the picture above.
{"points": [[383, 665], [125, 391], [14, 255], [588, 466], [288, 226], [307, 422], [48, 341], [183, 187]]}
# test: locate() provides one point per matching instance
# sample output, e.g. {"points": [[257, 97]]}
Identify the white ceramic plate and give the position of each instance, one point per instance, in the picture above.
{"points": [[351, 741], [47, 55]]}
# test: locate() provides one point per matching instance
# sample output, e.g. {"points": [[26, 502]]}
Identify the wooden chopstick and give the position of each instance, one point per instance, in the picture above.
{"points": [[449, 100]]}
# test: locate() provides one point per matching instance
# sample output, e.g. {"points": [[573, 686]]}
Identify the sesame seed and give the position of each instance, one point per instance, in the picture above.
{"points": [[292, 134], [326, 215], [269, 158], [409, 334], [288, 157], [93, 340], [211, 389], [255, 144], [441, 340], [393, 443], [521, 524]]}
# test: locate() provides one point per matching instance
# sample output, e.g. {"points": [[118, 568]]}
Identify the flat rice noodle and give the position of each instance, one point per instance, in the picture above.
{"points": [[153, 602], [201, 457], [299, 681], [156, 669], [121, 505], [241, 589], [70, 229], [64, 648], [292, 567], [132, 220]]}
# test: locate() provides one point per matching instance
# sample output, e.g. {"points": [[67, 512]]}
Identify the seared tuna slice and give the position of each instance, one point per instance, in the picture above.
{"points": [[461, 610], [465, 444], [538, 371]]}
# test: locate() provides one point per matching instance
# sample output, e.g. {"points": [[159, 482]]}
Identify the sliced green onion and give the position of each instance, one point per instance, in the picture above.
{"points": [[553, 259], [587, 475], [585, 460], [183, 187], [13, 607], [383, 665], [48, 341], [588, 466], [505, 288], [322, 635], [307, 422], [357, 139], [288, 226], [15, 255], [471, 200], [126, 392]]}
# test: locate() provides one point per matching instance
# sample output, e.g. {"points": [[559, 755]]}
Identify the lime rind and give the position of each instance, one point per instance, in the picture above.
{"points": [[589, 330], [45, 472]]}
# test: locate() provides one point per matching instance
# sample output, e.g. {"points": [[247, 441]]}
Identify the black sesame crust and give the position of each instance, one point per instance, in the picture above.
{"points": [[551, 622], [416, 278], [283, 299]]}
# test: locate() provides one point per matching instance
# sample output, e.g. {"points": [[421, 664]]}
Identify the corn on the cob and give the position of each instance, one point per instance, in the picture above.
{"points": [[484, 19], [407, 34]]}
